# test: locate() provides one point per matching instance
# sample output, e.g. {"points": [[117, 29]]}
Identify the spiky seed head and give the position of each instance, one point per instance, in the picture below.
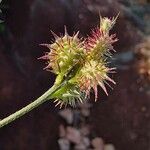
{"points": [[94, 73], [99, 45], [83, 64], [64, 53]]}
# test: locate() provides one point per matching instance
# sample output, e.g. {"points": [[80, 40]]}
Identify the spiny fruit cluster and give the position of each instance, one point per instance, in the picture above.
{"points": [[83, 62]]}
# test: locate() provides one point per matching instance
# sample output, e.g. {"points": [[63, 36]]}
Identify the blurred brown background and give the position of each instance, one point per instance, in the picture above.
{"points": [[122, 118]]}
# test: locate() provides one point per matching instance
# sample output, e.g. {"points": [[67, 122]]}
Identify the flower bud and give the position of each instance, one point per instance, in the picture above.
{"points": [[107, 24], [94, 73]]}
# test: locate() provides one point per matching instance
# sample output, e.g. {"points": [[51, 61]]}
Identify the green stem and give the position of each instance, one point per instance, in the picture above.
{"points": [[32, 105]]}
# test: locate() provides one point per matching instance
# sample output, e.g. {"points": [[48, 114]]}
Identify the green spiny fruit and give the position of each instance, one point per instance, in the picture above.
{"points": [[83, 63]]}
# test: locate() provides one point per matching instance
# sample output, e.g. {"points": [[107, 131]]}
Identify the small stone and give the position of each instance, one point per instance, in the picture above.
{"points": [[85, 112], [67, 114], [86, 141], [73, 135], [64, 144], [62, 131], [85, 131], [85, 109], [133, 135], [83, 145], [109, 147], [98, 143], [80, 146], [85, 105], [143, 108]]}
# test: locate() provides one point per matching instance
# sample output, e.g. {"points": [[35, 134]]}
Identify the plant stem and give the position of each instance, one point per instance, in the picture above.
{"points": [[31, 106]]}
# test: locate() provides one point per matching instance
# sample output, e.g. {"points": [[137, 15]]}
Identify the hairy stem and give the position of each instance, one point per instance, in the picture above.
{"points": [[32, 105]]}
